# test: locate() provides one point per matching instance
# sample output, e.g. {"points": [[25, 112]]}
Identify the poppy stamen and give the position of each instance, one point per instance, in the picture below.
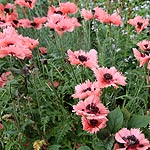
{"points": [[82, 58], [108, 76], [93, 122]]}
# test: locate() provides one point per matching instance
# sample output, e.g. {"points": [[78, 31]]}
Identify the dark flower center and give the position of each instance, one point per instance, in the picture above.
{"points": [[139, 24], [93, 122], [28, 1], [108, 76], [87, 89], [58, 12], [93, 12], [147, 52], [92, 108], [6, 10], [131, 142], [33, 24], [146, 45], [15, 21], [82, 58], [2, 20]]}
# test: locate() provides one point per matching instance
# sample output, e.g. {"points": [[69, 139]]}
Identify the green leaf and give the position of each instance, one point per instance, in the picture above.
{"points": [[99, 146], [115, 120], [138, 121], [54, 147], [84, 148]]}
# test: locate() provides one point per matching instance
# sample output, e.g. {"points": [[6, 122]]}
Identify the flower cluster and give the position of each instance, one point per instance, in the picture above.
{"points": [[90, 108], [144, 56], [59, 20], [100, 15], [16, 45]]}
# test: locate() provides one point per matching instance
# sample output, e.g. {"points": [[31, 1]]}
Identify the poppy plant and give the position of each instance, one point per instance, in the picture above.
{"points": [[87, 59], [27, 3], [139, 23], [141, 57], [86, 89], [132, 139], [86, 14], [109, 77], [93, 125], [91, 107]]}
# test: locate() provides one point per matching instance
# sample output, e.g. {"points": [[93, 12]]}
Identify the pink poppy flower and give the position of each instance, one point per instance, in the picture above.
{"points": [[20, 52], [27, 3], [5, 77], [100, 14], [139, 23], [115, 19], [132, 139], [88, 59], [86, 89], [53, 20], [43, 50], [87, 15], [25, 23], [141, 57], [38, 22], [109, 77], [144, 45], [91, 107], [8, 12], [28, 42], [68, 7], [104, 17], [93, 125], [54, 10], [63, 26], [75, 22]]}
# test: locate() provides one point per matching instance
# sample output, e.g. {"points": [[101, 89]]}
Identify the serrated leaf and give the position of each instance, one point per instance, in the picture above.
{"points": [[115, 120], [84, 148], [138, 121]]}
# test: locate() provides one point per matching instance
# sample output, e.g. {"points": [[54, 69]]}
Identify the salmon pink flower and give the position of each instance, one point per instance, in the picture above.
{"points": [[25, 23], [68, 7], [88, 59], [43, 50], [86, 89], [63, 26], [141, 57], [38, 22], [144, 45], [27, 3], [87, 15], [16, 45], [115, 19], [100, 14], [139, 23], [53, 10], [104, 17], [132, 139], [8, 13], [93, 125], [5, 77], [91, 107], [109, 77], [20, 52], [53, 20]]}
